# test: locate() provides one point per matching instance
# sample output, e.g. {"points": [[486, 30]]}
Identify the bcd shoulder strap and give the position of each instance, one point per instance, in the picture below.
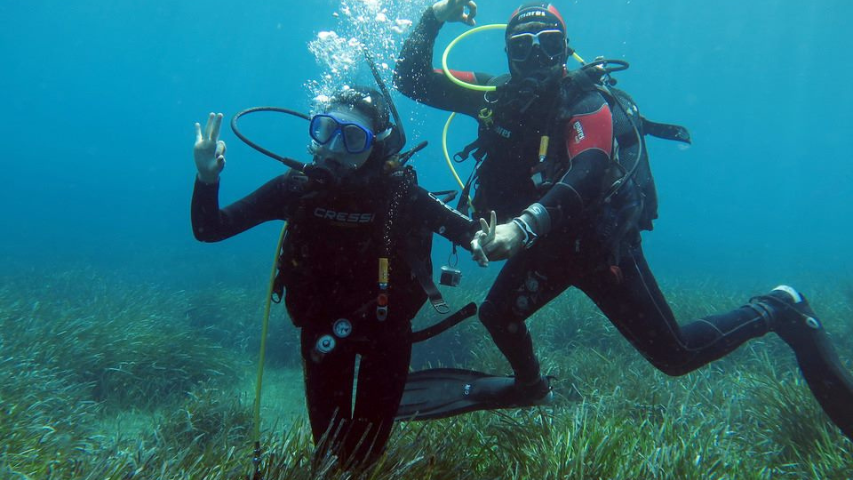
{"points": [[404, 180]]}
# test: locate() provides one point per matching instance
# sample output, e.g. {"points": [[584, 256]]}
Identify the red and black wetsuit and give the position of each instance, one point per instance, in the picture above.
{"points": [[575, 246], [329, 265]]}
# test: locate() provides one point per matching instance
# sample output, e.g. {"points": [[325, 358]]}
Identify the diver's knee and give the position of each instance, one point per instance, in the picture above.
{"points": [[497, 321], [488, 313], [490, 316], [671, 363], [672, 369]]}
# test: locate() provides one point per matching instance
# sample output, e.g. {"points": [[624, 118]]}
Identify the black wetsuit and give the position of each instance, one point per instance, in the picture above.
{"points": [[582, 246], [329, 269]]}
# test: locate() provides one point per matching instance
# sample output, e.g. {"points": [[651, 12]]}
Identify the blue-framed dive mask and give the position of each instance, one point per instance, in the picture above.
{"points": [[355, 137]]}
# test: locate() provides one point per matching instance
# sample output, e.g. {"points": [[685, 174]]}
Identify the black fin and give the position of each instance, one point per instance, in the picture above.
{"points": [[827, 377], [445, 392]]}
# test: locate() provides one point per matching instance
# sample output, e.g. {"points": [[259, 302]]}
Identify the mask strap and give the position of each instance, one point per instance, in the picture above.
{"points": [[383, 134]]}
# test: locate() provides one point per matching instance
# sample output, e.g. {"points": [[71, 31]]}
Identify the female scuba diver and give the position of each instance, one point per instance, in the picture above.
{"points": [[353, 208]]}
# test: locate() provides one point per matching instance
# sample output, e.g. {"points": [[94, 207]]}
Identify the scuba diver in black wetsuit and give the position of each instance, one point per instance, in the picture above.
{"points": [[352, 209], [570, 212]]}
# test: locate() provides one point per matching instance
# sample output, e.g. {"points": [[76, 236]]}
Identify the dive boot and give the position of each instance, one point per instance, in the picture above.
{"points": [[789, 314], [537, 393]]}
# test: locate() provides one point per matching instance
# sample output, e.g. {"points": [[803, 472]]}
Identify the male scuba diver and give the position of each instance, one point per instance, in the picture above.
{"points": [[570, 211], [352, 209]]}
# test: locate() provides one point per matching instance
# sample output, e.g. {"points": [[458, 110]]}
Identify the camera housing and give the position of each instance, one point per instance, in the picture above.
{"points": [[450, 276]]}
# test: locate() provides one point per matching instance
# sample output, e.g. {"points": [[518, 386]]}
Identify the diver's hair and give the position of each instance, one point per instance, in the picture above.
{"points": [[365, 100]]}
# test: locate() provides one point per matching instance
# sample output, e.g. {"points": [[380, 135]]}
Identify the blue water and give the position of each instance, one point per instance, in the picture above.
{"points": [[99, 98]]}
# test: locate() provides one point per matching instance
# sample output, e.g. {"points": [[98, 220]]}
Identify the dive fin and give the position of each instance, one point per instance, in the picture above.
{"points": [[666, 131], [445, 392], [825, 373], [827, 377]]}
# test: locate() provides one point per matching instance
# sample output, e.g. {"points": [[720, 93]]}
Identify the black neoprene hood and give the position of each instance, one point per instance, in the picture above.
{"points": [[537, 12]]}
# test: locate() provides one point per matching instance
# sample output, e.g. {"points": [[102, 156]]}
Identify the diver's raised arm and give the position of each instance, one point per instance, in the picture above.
{"points": [[414, 75]]}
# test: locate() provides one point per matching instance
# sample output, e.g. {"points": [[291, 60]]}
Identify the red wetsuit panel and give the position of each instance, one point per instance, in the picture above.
{"points": [[467, 77], [590, 131]]}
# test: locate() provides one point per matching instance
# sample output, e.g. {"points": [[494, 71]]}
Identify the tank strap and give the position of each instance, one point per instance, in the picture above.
{"points": [[666, 131]]}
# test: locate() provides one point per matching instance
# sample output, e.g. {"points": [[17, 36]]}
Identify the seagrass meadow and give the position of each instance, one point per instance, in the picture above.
{"points": [[129, 350], [110, 379]]}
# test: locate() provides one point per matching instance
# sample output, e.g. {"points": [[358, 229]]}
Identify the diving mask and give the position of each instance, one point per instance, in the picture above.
{"points": [[353, 137], [552, 44]]}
